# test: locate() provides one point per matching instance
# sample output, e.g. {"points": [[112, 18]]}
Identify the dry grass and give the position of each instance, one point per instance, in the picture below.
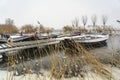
{"points": [[65, 60]]}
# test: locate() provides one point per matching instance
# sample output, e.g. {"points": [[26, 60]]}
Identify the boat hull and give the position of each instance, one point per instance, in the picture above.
{"points": [[94, 44], [89, 40]]}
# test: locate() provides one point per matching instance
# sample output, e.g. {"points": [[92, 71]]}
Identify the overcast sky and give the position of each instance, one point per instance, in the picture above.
{"points": [[58, 13]]}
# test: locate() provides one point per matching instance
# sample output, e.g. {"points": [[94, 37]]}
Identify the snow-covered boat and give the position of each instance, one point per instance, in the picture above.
{"points": [[88, 39], [96, 40], [92, 38], [22, 38]]}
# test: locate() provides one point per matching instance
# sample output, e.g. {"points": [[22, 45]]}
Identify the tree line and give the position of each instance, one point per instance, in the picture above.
{"points": [[84, 19], [8, 28]]}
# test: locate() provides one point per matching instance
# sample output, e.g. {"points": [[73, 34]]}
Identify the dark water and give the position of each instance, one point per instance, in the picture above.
{"points": [[113, 45], [114, 42]]}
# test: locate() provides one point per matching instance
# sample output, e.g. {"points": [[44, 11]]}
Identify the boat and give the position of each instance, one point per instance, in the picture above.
{"points": [[84, 39], [92, 38], [88, 39], [96, 40], [22, 38]]}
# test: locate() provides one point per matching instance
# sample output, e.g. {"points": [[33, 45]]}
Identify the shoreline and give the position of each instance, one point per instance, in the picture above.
{"points": [[46, 76]]}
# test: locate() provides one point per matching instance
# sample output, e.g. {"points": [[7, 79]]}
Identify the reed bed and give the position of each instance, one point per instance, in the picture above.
{"points": [[66, 60]]}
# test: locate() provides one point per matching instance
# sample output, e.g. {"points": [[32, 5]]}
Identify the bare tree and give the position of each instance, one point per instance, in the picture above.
{"points": [[9, 21], [67, 28], [104, 20], [94, 20], [6, 29], [75, 23], [28, 28], [84, 20]]}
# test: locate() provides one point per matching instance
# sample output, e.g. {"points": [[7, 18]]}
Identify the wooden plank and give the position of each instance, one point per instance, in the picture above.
{"points": [[28, 46], [16, 44]]}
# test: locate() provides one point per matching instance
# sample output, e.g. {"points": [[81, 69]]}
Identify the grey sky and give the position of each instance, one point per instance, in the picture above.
{"points": [[57, 13]]}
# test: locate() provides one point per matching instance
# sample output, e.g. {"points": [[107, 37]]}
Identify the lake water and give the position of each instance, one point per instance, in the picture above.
{"points": [[113, 45]]}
